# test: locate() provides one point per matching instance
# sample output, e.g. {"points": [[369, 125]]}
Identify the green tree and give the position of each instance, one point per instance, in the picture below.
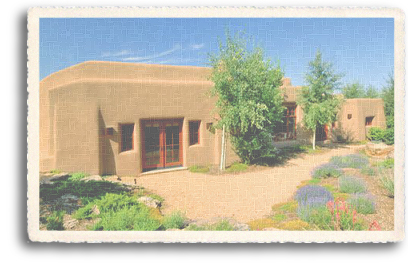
{"points": [[371, 92], [317, 99], [249, 100], [387, 95], [354, 90]]}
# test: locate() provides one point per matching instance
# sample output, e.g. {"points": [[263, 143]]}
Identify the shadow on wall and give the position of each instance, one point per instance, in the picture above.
{"points": [[107, 164], [341, 135]]}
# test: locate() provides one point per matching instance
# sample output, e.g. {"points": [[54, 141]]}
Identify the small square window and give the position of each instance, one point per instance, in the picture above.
{"points": [[126, 136], [194, 131], [349, 116], [369, 121]]}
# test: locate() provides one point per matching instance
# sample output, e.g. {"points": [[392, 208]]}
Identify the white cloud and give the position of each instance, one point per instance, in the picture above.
{"points": [[116, 54], [197, 46], [154, 56]]}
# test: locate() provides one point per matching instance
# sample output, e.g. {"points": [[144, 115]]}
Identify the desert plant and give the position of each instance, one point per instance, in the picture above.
{"points": [[260, 224], [237, 167], [175, 220], [55, 221], [199, 169], [342, 216], [350, 184], [136, 217], [362, 203], [309, 198], [350, 161], [388, 184], [368, 171], [326, 171], [77, 176], [387, 163], [223, 225]]}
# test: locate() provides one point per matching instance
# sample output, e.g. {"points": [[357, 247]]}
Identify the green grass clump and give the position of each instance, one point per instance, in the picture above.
{"points": [[77, 176], [55, 171], [350, 184], [279, 217], [314, 181], [362, 203], [350, 161], [222, 225], [175, 220], [368, 171], [260, 224], [55, 221], [199, 169], [237, 167], [387, 163], [288, 207], [388, 183]]}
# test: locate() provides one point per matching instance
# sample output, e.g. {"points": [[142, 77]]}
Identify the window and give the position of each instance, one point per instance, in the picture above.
{"points": [[287, 129], [126, 133], [369, 121], [349, 116], [109, 131], [194, 130]]}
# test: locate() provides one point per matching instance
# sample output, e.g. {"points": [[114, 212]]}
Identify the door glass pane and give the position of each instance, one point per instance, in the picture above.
{"points": [[172, 144], [152, 145]]}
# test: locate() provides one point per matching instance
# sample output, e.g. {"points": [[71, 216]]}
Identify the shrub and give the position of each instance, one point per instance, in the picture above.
{"points": [[383, 135], [223, 225], [326, 171], [279, 217], [109, 203], [77, 176], [350, 161], [288, 207], [362, 203], [174, 220], [237, 167], [55, 221], [314, 181], [350, 184], [311, 197], [375, 134], [136, 217]]}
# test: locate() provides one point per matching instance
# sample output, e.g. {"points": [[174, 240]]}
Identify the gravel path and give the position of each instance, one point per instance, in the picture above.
{"points": [[244, 196]]}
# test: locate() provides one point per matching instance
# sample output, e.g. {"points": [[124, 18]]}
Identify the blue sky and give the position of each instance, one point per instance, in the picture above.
{"points": [[360, 48]]}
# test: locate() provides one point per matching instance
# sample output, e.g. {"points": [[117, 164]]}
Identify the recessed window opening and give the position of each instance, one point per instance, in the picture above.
{"points": [[194, 131], [349, 116], [369, 121], [126, 135]]}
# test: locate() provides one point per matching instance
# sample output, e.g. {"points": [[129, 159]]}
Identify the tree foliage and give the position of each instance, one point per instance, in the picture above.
{"points": [[388, 96], [317, 99], [357, 90], [249, 101]]}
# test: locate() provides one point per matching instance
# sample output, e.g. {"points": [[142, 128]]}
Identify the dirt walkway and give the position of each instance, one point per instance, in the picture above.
{"points": [[244, 196]]}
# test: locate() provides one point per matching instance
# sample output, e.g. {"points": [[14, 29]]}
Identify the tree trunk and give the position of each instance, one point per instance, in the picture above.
{"points": [[314, 139]]}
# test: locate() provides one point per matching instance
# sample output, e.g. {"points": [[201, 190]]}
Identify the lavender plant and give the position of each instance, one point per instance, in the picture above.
{"points": [[350, 184], [362, 203], [350, 161], [311, 198], [326, 171]]}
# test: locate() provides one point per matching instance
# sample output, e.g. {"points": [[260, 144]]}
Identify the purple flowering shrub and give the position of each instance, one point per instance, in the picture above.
{"points": [[311, 198], [350, 161], [326, 171]]}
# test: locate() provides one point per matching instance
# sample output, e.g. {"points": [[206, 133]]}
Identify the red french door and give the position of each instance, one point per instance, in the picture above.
{"points": [[161, 143]]}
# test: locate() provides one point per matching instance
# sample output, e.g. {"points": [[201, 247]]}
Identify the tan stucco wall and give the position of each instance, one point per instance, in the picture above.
{"points": [[360, 108], [78, 103]]}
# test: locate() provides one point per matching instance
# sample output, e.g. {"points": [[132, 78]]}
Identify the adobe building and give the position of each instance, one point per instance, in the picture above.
{"points": [[127, 118]]}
